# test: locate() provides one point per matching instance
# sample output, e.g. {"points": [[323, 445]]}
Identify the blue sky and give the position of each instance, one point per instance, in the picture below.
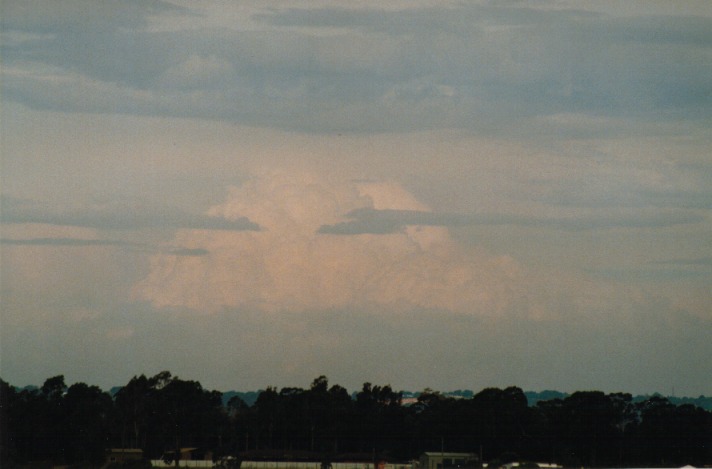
{"points": [[426, 194]]}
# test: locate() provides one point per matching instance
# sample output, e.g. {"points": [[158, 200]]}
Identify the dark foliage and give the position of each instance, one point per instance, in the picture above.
{"points": [[56, 424]]}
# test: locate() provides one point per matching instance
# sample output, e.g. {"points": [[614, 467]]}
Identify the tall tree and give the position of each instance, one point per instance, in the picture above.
{"points": [[8, 424], [133, 403], [89, 412]]}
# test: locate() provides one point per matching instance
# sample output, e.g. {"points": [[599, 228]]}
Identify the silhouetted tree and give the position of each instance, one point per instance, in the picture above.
{"points": [[500, 418], [189, 415], [89, 414], [8, 424], [133, 404], [59, 425]]}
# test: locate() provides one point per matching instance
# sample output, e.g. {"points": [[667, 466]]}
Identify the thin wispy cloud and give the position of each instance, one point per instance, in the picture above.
{"points": [[78, 242], [191, 252], [700, 261], [648, 274], [391, 221], [83, 242], [121, 218]]}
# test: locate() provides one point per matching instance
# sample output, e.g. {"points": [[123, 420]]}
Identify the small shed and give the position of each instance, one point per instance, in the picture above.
{"points": [[189, 454], [442, 460], [121, 455]]}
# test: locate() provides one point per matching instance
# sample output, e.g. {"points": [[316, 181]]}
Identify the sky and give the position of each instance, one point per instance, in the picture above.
{"points": [[446, 195]]}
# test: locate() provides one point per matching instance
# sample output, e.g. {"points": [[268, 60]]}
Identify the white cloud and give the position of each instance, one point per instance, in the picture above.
{"points": [[289, 266]]}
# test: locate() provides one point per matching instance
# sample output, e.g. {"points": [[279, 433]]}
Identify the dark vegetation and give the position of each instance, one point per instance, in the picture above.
{"points": [[68, 425]]}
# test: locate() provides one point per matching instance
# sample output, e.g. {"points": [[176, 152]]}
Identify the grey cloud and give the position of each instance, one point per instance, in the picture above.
{"points": [[99, 40], [119, 218], [483, 68], [65, 242], [368, 220], [362, 227], [81, 242], [648, 274], [689, 189], [390, 221], [681, 199], [450, 18], [635, 220], [196, 252], [71, 15], [548, 49], [700, 261], [688, 30]]}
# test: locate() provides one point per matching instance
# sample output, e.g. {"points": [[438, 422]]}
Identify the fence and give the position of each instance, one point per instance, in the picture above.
{"points": [[187, 463], [282, 465]]}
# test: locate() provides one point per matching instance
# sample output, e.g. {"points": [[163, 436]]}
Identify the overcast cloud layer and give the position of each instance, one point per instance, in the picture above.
{"points": [[426, 194]]}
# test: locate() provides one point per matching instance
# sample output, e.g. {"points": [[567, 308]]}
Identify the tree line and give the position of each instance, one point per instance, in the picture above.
{"points": [[71, 424]]}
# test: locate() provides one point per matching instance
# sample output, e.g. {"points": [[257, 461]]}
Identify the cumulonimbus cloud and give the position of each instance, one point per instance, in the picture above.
{"points": [[292, 265]]}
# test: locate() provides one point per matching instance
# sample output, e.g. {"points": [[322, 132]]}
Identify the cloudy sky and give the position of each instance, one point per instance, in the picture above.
{"points": [[423, 194]]}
